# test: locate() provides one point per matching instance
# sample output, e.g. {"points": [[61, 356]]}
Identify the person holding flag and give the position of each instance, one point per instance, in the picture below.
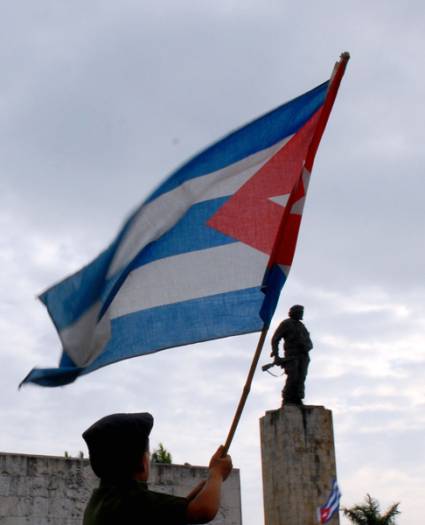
{"points": [[119, 455]]}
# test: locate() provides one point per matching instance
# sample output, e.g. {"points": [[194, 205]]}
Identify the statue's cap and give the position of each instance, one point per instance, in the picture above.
{"points": [[296, 310], [297, 307]]}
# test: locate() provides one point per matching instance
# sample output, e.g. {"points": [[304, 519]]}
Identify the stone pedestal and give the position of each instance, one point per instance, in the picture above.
{"points": [[298, 460]]}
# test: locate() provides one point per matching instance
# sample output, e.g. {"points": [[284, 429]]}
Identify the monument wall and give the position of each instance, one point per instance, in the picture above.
{"points": [[40, 490]]}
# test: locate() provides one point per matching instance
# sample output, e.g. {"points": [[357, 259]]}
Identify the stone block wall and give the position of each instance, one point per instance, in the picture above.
{"points": [[41, 490], [298, 462]]}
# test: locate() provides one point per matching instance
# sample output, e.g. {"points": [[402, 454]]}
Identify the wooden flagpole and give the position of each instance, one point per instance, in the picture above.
{"points": [[246, 390], [335, 81]]}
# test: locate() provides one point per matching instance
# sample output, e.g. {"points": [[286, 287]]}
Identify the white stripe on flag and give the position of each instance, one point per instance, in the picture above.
{"points": [[84, 340], [190, 276]]}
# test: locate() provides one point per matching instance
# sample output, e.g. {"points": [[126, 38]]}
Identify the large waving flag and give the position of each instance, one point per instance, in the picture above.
{"points": [[205, 256]]}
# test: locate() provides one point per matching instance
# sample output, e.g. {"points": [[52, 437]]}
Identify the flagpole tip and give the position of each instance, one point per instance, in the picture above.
{"points": [[345, 56]]}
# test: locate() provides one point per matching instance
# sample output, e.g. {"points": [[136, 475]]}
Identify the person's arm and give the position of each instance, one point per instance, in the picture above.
{"points": [[195, 491], [204, 500]]}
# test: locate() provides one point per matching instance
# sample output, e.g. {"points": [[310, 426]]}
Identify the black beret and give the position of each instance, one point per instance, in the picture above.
{"points": [[117, 442]]}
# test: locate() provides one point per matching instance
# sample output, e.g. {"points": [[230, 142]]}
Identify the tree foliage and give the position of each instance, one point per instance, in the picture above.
{"points": [[161, 455], [368, 513]]}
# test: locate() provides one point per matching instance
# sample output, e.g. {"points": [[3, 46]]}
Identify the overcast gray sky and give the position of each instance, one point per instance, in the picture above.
{"points": [[100, 100]]}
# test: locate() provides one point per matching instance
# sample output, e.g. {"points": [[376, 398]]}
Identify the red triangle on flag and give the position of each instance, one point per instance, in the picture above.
{"points": [[254, 213]]}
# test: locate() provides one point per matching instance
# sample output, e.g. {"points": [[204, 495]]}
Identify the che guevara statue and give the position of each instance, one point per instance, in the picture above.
{"points": [[297, 345]]}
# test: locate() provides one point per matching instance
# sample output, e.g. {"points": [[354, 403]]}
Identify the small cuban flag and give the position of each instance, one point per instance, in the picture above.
{"points": [[205, 255], [326, 511]]}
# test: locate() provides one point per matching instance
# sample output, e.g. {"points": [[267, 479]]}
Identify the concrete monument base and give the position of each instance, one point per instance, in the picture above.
{"points": [[298, 461]]}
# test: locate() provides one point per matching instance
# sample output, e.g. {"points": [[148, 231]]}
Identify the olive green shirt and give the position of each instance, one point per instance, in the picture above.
{"points": [[132, 503]]}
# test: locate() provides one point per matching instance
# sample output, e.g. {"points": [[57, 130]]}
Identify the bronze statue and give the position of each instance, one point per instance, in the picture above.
{"points": [[297, 344]]}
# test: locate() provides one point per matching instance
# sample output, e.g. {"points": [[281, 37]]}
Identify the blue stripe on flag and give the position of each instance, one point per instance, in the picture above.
{"points": [[256, 136], [52, 376], [273, 282], [191, 233], [69, 299], [183, 323], [177, 324]]}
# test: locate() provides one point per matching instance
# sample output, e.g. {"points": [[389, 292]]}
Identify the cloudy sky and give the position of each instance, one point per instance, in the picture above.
{"points": [[100, 100]]}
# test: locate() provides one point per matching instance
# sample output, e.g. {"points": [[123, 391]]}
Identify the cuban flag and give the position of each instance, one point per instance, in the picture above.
{"points": [[205, 256], [326, 511]]}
